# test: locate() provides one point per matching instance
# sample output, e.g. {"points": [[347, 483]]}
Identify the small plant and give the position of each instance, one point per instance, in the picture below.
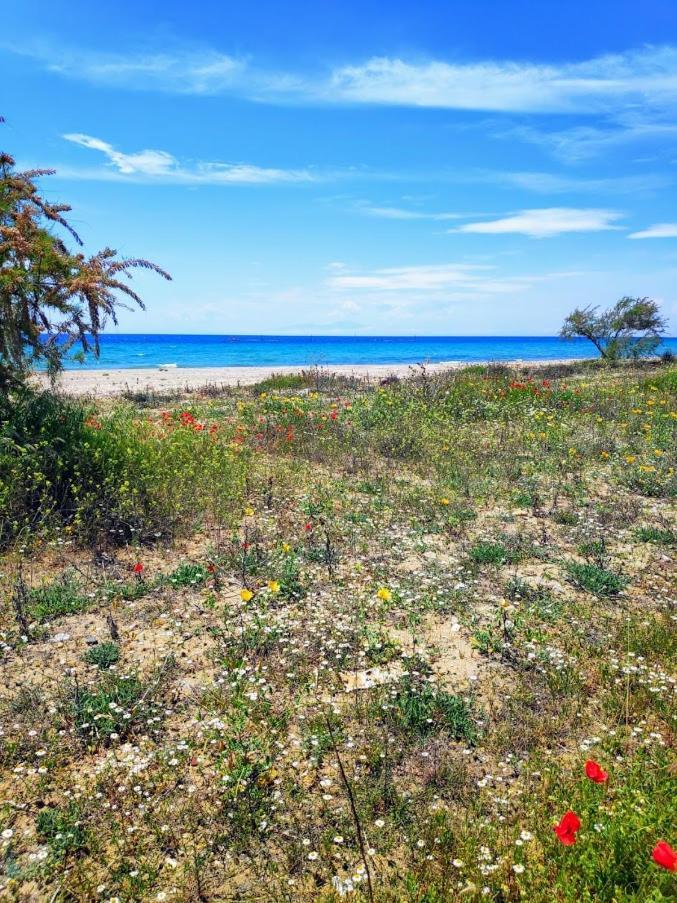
{"points": [[564, 517], [62, 597], [421, 709], [63, 830], [188, 575], [662, 537], [595, 579], [116, 705], [103, 655], [494, 553]]}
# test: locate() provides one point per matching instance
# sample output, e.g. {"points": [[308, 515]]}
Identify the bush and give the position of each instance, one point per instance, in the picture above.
{"points": [[114, 479]]}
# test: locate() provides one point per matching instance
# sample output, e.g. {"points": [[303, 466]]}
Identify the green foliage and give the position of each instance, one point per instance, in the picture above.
{"points": [[115, 706], [595, 579], [110, 479], [631, 328], [658, 535], [62, 597], [103, 655], [188, 575], [63, 829], [420, 709], [487, 552], [51, 299]]}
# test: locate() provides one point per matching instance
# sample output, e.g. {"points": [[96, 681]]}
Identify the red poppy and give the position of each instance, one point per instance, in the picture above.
{"points": [[663, 855], [567, 828], [308, 527], [138, 568], [595, 772]]}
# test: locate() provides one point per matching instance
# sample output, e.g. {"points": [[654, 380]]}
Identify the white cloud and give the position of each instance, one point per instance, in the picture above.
{"points": [[161, 166], [636, 79], [461, 279], [659, 230], [181, 72], [546, 222], [145, 162], [552, 183], [403, 214], [586, 141]]}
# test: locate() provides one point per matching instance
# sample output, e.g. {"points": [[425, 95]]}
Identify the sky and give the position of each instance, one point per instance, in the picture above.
{"points": [[463, 167]]}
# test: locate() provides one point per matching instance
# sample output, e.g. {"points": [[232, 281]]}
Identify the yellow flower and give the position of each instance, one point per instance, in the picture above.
{"points": [[249, 511], [274, 586], [444, 501], [630, 459], [647, 468], [286, 548], [246, 595], [263, 395], [604, 454], [658, 452], [384, 594]]}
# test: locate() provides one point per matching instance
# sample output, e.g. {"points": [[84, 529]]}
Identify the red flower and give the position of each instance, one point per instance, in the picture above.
{"points": [[663, 855], [566, 829], [308, 527], [333, 415], [594, 771]]}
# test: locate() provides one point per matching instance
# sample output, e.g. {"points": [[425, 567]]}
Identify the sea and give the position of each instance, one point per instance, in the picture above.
{"points": [[120, 351]]}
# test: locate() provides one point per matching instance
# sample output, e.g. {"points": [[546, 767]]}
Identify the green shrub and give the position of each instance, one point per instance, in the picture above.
{"points": [[108, 479]]}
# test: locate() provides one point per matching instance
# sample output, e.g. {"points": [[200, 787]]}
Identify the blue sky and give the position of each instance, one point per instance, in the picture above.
{"points": [[459, 168]]}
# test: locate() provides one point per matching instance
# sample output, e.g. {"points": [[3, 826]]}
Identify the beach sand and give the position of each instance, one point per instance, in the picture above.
{"points": [[113, 382]]}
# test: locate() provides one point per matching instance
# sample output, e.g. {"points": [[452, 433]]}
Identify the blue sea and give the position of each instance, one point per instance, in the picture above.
{"points": [[126, 351]]}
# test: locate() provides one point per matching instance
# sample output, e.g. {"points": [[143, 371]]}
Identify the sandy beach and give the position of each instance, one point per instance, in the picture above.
{"points": [[113, 382]]}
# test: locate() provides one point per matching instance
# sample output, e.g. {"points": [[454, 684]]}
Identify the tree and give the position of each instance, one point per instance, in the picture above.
{"points": [[631, 328], [51, 299]]}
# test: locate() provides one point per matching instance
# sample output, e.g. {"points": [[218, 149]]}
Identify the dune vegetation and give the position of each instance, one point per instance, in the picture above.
{"points": [[323, 639]]}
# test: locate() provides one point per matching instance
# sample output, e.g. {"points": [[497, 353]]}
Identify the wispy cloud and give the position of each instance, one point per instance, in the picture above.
{"points": [[553, 183], [161, 166], [659, 230], [584, 142], [647, 75], [180, 72], [458, 278], [404, 214], [637, 79], [546, 222]]}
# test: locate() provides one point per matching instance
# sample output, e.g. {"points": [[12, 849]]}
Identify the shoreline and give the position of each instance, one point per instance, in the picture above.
{"points": [[116, 381]]}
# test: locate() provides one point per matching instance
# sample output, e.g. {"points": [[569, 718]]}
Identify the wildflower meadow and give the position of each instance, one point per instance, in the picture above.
{"points": [[321, 639]]}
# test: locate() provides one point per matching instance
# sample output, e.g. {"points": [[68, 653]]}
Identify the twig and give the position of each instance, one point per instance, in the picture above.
{"points": [[353, 807]]}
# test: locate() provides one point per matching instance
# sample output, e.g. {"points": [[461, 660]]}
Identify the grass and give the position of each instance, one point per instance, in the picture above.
{"points": [[376, 627]]}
